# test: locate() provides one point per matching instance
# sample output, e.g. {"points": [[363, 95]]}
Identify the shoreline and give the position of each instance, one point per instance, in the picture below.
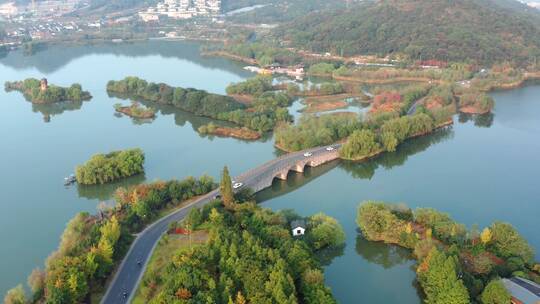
{"points": [[239, 133], [128, 112], [379, 152], [228, 55]]}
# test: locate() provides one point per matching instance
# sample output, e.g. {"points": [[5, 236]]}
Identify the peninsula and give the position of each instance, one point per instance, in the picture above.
{"points": [[466, 264]]}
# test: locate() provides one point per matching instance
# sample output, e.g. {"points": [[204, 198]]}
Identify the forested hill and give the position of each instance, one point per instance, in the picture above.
{"points": [[484, 31]]}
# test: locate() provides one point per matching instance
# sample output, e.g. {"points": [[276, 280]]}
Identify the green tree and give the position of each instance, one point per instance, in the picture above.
{"points": [[508, 242], [361, 143], [194, 218], [437, 275], [325, 231], [226, 189], [495, 293], [389, 141]]}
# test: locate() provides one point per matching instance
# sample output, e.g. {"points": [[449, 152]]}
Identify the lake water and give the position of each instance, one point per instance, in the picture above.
{"points": [[476, 173]]}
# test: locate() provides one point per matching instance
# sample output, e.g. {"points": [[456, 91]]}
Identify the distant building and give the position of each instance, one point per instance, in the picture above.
{"points": [[8, 10], [298, 227], [182, 9], [523, 291]]}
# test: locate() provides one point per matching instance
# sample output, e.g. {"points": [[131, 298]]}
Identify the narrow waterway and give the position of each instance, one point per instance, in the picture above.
{"points": [[479, 171]]}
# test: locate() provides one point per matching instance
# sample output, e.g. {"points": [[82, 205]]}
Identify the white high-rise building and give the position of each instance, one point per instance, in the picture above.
{"points": [[183, 9]]}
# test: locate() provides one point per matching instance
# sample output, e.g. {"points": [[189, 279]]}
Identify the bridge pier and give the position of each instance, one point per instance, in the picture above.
{"points": [[283, 175], [298, 168]]}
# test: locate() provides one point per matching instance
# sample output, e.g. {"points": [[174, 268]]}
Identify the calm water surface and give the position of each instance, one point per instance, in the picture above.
{"points": [[479, 171], [476, 173]]}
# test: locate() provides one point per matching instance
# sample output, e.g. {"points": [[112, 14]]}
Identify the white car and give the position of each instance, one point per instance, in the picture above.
{"points": [[330, 148], [308, 154], [237, 185]]}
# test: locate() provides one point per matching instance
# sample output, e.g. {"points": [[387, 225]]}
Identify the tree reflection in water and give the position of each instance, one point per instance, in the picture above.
{"points": [[106, 191], [482, 120], [327, 255], [182, 117], [57, 108], [294, 181], [389, 160], [382, 254]]}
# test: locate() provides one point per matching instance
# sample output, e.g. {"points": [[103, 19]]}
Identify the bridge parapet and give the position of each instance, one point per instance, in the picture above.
{"points": [[280, 168]]}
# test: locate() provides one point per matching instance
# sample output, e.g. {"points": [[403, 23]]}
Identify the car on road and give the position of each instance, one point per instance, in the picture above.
{"points": [[308, 154], [237, 185], [329, 148]]}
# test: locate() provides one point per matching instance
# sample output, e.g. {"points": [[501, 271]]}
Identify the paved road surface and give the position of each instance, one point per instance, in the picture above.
{"points": [[126, 280]]}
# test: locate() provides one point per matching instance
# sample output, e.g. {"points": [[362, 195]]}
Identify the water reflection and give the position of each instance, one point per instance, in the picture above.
{"points": [[106, 191], [389, 160], [294, 181], [382, 254], [55, 57], [360, 170], [182, 117], [57, 108], [327, 255], [482, 120]]}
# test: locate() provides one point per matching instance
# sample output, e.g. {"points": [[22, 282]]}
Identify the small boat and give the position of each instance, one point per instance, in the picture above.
{"points": [[71, 179]]}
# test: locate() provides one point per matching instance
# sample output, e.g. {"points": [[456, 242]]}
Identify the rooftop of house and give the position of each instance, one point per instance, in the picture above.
{"points": [[298, 223], [524, 290]]}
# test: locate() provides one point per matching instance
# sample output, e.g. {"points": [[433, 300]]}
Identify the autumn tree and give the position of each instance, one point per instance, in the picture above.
{"points": [[379, 223], [15, 296], [36, 281], [485, 236], [240, 298]]}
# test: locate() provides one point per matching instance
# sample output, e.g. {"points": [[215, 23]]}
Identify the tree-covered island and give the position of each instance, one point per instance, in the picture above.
{"points": [[135, 110], [105, 168], [455, 265], [261, 116], [41, 92]]}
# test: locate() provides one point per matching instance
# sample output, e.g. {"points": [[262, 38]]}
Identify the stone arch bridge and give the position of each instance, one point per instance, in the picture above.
{"points": [[262, 177]]}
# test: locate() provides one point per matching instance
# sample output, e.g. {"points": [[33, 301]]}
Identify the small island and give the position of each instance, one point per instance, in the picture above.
{"points": [[106, 168], [135, 110], [241, 133], [41, 92]]}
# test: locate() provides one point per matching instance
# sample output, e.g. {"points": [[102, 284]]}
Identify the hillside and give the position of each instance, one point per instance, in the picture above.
{"points": [[279, 11], [483, 31]]}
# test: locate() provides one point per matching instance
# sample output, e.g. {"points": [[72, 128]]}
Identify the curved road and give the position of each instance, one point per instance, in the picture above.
{"points": [[128, 275]]}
